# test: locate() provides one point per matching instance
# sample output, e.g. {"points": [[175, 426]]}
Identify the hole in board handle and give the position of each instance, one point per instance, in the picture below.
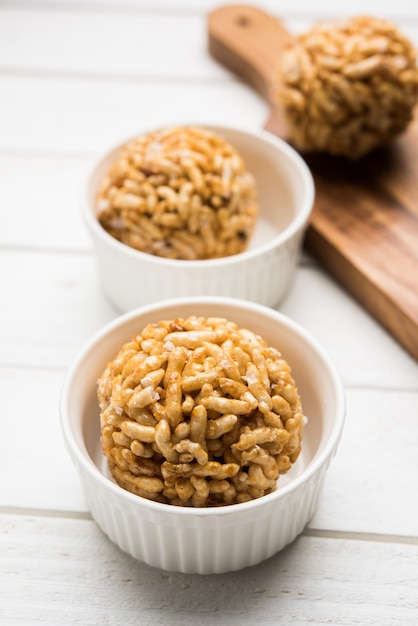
{"points": [[243, 21]]}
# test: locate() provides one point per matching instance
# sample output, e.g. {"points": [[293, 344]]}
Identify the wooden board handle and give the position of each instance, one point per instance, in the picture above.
{"points": [[364, 226], [249, 42]]}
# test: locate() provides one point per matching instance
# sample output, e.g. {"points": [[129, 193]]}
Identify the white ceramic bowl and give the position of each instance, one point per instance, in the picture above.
{"points": [[263, 273], [209, 540]]}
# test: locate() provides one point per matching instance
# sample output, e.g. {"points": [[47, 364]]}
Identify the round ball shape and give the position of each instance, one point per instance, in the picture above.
{"points": [[348, 86], [181, 193], [199, 412]]}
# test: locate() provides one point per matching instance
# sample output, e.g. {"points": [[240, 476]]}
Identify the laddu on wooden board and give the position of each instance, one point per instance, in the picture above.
{"points": [[364, 225]]}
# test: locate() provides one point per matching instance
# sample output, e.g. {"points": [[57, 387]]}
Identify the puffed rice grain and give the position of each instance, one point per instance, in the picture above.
{"points": [[179, 193], [199, 412]]}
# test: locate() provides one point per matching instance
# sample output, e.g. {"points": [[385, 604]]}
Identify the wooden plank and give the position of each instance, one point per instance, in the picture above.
{"points": [[47, 478], [138, 53], [78, 117], [52, 303], [40, 198], [65, 571], [365, 354], [370, 482], [43, 477], [364, 227], [401, 10]]}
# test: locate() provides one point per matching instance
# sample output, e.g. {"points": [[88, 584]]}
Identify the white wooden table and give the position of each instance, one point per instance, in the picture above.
{"points": [[74, 78]]}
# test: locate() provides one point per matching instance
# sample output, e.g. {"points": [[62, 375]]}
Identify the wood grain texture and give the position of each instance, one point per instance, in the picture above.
{"points": [[364, 226], [140, 63], [63, 571], [52, 482], [53, 303]]}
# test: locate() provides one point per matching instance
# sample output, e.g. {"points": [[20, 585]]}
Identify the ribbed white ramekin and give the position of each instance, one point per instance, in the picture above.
{"points": [[261, 274], [210, 540]]}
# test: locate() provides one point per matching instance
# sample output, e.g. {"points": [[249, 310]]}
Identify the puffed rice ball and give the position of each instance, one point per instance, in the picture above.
{"points": [[348, 86], [179, 193], [199, 412]]}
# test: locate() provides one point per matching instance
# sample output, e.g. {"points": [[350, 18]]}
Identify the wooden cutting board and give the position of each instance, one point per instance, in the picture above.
{"points": [[364, 225]]}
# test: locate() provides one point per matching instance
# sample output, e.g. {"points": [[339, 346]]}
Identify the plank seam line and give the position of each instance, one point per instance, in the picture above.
{"points": [[47, 513], [162, 10], [164, 79], [309, 532], [360, 536]]}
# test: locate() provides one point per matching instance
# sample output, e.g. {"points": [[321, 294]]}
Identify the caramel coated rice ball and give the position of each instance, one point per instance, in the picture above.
{"points": [[179, 193], [199, 412], [348, 86]]}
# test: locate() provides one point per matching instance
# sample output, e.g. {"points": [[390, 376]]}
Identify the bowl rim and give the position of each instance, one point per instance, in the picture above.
{"points": [[85, 462], [297, 224]]}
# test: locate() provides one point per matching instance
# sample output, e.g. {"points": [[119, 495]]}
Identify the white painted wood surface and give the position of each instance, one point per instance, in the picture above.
{"points": [[74, 78]]}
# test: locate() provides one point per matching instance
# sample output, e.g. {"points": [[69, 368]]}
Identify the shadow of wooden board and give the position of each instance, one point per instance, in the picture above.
{"points": [[364, 224]]}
